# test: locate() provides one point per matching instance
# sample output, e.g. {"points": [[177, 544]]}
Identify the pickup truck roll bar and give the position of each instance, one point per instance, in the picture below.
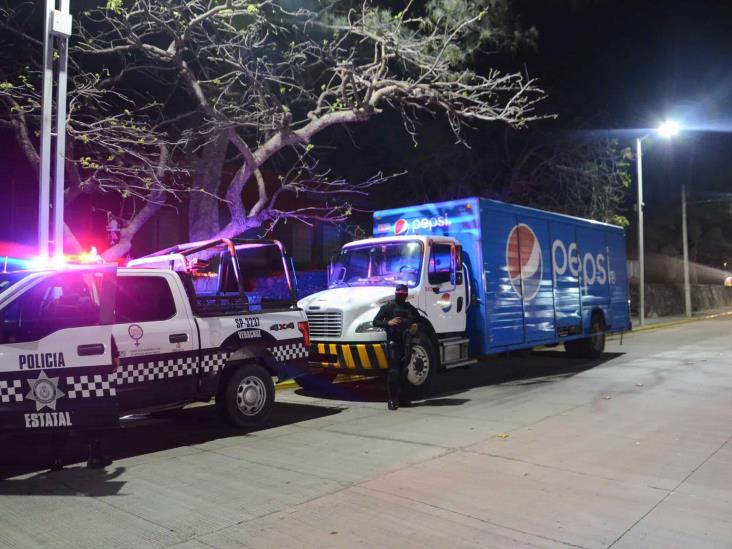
{"points": [[181, 252]]}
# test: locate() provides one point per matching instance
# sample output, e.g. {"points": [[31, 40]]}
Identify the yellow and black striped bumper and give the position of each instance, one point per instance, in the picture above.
{"points": [[350, 356]]}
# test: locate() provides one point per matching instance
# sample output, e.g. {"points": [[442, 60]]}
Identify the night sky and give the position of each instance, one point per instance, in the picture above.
{"points": [[623, 64], [614, 66]]}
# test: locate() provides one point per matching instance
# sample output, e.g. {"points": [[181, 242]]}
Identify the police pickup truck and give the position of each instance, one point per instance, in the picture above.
{"points": [[81, 346]]}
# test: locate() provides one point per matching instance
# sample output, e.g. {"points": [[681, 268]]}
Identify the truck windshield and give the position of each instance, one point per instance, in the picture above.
{"points": [[383, 264], [8, 279]]}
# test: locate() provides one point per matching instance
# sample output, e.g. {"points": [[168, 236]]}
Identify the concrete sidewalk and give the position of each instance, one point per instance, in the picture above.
{"points": [[630, 450]]}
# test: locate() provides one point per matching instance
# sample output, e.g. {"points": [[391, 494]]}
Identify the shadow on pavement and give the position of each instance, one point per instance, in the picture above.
{"points": [[442, 402], [22, 454], [72, 481], [539, 367]]}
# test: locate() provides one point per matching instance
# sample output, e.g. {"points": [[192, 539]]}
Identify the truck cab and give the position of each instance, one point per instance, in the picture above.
{"points": [[363, 277]]}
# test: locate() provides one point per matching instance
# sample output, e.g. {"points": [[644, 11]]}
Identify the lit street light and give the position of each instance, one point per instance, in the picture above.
{"points": [[668, 129]]}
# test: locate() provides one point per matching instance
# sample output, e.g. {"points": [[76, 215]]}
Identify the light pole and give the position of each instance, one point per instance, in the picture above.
{"points": [[668, 129], [641, 266], [685, 238], [57, 29]]}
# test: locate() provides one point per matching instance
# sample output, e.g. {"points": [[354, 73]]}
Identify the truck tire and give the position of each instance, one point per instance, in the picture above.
{"points": [[419, 374], [589, 347], [247, 397], [316, 383]]}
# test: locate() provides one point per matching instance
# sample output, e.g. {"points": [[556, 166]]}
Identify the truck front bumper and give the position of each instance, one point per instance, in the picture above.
{"points": [[349, 357]]}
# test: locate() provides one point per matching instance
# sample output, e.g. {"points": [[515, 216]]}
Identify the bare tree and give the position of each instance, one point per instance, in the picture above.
{"points": [[251, 85], [585, 174], [578, 175], [113, 145]]}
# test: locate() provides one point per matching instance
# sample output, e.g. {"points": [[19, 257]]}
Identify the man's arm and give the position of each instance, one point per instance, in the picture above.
{"points": [[381, 320]]}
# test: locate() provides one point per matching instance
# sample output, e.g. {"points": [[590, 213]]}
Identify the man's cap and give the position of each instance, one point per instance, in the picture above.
{"points": [[402, 289]]}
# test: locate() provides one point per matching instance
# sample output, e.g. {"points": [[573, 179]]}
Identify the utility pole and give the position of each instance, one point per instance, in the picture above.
{"points": [[685, 237], [641, 266], [57, 30]]}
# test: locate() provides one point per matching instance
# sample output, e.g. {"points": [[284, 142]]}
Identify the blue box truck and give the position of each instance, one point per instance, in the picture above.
{"points": [[489, 277]]}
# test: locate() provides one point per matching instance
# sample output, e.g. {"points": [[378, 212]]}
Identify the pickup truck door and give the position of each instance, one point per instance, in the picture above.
{"points": [[156, 339], [56, 363]]}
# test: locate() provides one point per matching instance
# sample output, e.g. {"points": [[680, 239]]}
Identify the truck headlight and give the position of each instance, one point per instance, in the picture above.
{"points": [[366, 327]]}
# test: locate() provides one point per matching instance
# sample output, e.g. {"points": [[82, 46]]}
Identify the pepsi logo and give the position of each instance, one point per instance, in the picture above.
{"points": [[421, 225], [401, 227], [524, 261], [444, 303]]}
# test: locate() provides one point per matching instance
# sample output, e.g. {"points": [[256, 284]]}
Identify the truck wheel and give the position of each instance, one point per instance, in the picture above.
{"points": [[247, 398], [589, 347], [594, 345], [421, 370], [316, 383]]}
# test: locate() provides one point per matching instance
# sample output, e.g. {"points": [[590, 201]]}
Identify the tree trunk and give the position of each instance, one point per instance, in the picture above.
{"points": [[156, 201], [203, 212]]}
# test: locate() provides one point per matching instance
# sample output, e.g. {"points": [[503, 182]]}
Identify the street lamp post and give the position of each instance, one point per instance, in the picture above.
{"points": [[641, 267], [668, 129], [57, 29], [685, 235]]}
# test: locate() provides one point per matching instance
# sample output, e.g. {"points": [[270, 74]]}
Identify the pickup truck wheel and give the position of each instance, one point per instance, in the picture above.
{"points": [[316, 383], [247, 398], [421, 370]]}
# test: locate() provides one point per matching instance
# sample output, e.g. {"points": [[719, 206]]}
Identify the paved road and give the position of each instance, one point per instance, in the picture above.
{"points": [[630, 451]]}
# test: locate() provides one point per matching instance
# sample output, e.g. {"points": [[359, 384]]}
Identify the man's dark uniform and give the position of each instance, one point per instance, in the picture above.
{"points": [[397, 339]]}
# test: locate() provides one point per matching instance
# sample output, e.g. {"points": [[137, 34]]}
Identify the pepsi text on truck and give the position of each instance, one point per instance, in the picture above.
{"points": [[490, 277]]}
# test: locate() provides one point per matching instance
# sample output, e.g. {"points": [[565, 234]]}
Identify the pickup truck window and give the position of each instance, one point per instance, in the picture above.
{"points": [[143, 299], [262, 273], [68, 300]]}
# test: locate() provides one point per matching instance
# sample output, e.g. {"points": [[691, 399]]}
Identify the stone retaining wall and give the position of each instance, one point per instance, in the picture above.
{"points": [[668, 299]]}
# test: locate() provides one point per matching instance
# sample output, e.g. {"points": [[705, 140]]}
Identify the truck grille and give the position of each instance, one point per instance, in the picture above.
{"points": [[325, 324]]}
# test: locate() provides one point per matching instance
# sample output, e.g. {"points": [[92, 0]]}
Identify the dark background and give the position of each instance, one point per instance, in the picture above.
{"points": [[610, 67]]}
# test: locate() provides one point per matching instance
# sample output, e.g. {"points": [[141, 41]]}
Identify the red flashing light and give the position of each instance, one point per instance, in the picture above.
{"points": [[304, 327]]}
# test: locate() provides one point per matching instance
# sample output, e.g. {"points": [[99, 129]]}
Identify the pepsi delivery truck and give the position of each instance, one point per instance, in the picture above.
{"points": [[488, 277]]}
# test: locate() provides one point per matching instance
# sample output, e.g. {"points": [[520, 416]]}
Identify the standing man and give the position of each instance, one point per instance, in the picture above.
{"points": [[399, 318]]}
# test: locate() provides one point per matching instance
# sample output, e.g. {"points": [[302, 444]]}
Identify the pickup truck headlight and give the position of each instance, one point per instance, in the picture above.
{"points": [[366, 327]]}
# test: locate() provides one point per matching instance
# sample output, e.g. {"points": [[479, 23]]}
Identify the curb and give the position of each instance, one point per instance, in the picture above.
{"points": [[291, 384], [659, 325]]}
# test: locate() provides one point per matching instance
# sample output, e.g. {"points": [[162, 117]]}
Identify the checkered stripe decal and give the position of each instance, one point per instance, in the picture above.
{"points": [[9, 391], [157, 369], [91, 386], [293, 351], [153, 370], [214, 363]]}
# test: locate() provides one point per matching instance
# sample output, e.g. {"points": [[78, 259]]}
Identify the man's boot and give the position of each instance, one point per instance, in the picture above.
{"points": [[392, 390]]}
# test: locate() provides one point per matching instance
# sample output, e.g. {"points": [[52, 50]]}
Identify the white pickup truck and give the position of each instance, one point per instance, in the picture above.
{"points": [[83, 345]]}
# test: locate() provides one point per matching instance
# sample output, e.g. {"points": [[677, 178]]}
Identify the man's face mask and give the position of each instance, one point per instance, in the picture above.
{"points": [[400, 296]]}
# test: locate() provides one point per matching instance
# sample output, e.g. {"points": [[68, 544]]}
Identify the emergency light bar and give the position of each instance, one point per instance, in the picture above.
{"points": [[57, 262]]}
